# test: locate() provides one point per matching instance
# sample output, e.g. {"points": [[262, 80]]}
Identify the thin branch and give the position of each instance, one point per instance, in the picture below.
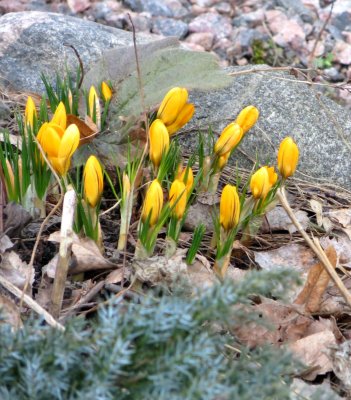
{"points": [[315, 246], [81, 66], [30, 303]]}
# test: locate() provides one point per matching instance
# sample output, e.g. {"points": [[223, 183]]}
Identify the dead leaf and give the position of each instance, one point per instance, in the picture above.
{"points": [[86, 256], [16, 271], [314, 351], [9, 312], [278, 220], [316, 283], [5, 244], [199, 213], [341, 217], [115, 276], [16, 219], [340, 357], [342, 246], [88, 130], [317, 207]]}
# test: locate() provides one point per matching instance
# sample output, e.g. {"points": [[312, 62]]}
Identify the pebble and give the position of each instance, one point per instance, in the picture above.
{"points": [[170, 27], [217, 24], [204, 39]]}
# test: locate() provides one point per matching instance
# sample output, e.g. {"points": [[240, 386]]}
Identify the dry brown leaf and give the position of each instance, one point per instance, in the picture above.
{"points": [[86, 256], [88, 130], [9, 312], [115, 276], [317, 207], [200, 275], [5, 244], [314, 351], [316, 283], [16, 271], [341, 217], [342, 245]]}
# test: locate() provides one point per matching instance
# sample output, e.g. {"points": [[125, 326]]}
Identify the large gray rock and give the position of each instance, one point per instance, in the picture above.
{"points": [[34, 42], [31, 43]]}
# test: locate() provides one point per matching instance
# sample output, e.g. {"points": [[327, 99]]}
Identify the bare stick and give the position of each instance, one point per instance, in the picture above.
{"points": [[315, 246], [30, 303], [69, 205]]}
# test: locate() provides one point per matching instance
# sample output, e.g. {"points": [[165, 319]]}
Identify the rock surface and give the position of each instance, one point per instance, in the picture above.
{"points": [[32, 42]]}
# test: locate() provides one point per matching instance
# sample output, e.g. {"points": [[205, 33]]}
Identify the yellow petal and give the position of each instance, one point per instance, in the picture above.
{"points": [[153, 203], [177, 198], [288, 156], [93, 101], [172, 104], [273, 177], [69, 142], [60, 116], [106, 91], [184, 116], [229, 139], [93, 181], [49, 139], [30, 112], [247, 118], [159, 141], [222, 160], [229, 208]]}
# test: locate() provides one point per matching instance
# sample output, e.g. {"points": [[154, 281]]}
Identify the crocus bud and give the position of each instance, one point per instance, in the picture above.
{"points": [[187, 176], [126, 185], [93, 181], [259, 183], [153, 203], [106, 91], [60, 116], [288, 156], [59, 145], [229, 208], [229, 139], [30, 112], [247, 118], [174, 110], [93, 102], [159, 141], [273, 177], [177, 198]]}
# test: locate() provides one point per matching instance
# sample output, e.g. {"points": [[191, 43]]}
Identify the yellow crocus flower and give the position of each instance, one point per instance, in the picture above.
{"points": [[189, 175], [93, 181], [229, 139], [59, 145], [153, 203], [93, 102], [259, 183], [222, 160], [106, 91], [30, 112], [229, 208], [174, 110], [159, 141], [178, 198], [288, 156], [60, 116], [247, 118]]}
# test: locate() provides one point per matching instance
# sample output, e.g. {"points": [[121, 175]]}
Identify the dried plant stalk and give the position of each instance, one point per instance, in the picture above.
{"points": [[69, 206]]}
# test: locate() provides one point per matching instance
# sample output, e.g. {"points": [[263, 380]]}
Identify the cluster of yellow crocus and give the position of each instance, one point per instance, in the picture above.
{"points": [[229, 208], [93, 181], [173, 113], [186, 175], [153, 203], [58, 141]]}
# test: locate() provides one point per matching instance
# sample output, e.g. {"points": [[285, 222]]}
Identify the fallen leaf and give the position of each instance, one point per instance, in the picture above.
{"points": [[301, 390], [316, 283], [16, 219], [340, 357], [5, 244], [341, 216], [86, 256], [342, 246], [88, 130], [317, 207], [314, 351], [16, 271], [115, 276], [9, 312]]}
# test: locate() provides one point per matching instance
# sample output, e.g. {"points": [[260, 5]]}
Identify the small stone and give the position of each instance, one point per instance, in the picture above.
{"points": [[334, 74], [223, 8], [217, 24], [197, 10], [342, 52], [192, 46], [253, 18], [170, 27], [204, 39], [205, 3], [242, 61], [157, 8], [78, 6], [7, 6]]}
